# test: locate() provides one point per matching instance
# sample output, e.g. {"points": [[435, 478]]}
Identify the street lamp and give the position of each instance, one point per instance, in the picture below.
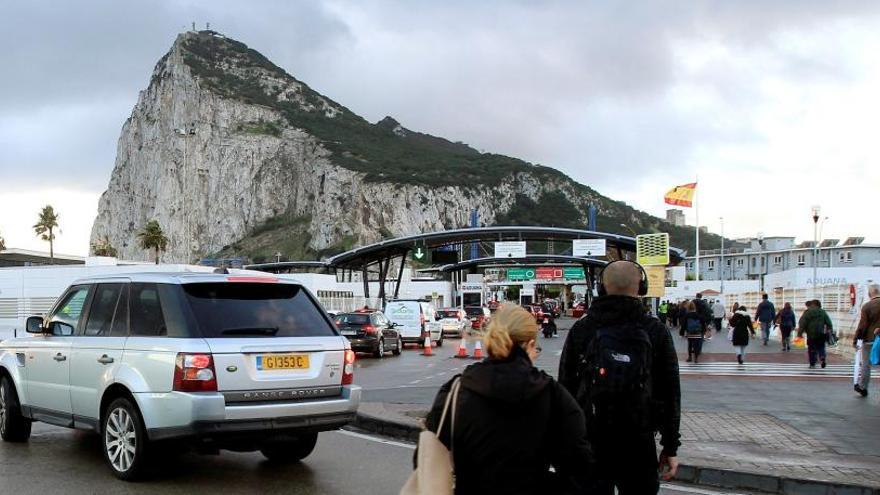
{"points": [[818, 249], [722, 254], [761, 260], [627, 227], [816, 210]]}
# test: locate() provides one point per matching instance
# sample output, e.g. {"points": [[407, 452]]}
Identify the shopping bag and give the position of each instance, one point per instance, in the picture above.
{"points": [[435, 472], [875, 352], [857, 363], [774, 332], [799, 343], [730, 335]]}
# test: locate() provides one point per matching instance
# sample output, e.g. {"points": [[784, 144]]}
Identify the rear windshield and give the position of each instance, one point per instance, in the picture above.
{"points": [[473, 311], [353, 319], [255, 310], [448, 313]]}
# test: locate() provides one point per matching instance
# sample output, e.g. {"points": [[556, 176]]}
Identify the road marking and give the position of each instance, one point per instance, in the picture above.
{"points": [[765, 370], [377, 439], [699, 491]]}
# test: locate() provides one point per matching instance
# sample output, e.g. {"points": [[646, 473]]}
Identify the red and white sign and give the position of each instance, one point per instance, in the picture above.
{"points": [[548, 273]]}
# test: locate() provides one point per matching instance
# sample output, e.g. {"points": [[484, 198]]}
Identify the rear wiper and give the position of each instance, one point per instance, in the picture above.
{"points": [[250, 331]]}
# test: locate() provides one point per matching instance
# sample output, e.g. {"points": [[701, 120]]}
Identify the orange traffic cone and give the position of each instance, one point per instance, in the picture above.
{"points": [[428, 350], [462, 350], [478, 350]]}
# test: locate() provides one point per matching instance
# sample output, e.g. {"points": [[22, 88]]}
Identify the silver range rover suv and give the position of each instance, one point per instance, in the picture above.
{"points": [[216, 361]]}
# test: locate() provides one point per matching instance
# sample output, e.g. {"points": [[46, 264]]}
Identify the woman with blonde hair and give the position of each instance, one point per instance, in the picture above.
{"points": [[513, 421]]}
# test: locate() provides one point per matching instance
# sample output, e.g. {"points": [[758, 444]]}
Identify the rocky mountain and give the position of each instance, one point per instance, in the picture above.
{"points": [[234, 156]]}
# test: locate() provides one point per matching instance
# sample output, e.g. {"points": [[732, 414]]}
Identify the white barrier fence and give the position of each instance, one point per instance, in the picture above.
{"points": [[348, 304]]}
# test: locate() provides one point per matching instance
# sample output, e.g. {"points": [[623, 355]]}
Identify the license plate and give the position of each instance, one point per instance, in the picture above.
{"points": [[282, 362], [348, 332]]}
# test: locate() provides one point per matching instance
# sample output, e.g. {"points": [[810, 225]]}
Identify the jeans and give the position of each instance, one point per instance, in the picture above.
{"points": [[765, 330], [695, 346], [816, 347], [718, 324], [740, 350], [786, 337], [865, 369], [630, 464]]}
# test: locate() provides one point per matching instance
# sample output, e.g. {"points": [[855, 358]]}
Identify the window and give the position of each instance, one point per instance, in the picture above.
{"points": [[754, 262], [740, 262], [762, 261], [849, 257], [710, 265], [842, 257], [801, 259], [256, 310], [728, 262], [66, 319], [103, 308], [777, 260], [120, 319], [145, 311]]}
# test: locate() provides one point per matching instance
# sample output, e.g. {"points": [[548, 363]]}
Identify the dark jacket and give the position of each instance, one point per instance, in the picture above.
{"points": [[666, 394], [742, 328], [704, 310], [869, 321], [513, 423], [697, 320], [814, 322], [766, 311], [786, 318]]}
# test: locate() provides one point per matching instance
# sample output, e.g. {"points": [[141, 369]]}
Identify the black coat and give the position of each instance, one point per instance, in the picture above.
{"points": [[742, 328], [666, 388], [513, 423]]}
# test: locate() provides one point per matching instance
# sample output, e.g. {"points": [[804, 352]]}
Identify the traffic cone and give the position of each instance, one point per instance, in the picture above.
{"points": [[478, 350], [462, 350], [428, 350]]}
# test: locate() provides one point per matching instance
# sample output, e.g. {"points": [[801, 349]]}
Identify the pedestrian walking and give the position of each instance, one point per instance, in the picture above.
{"points": [[662, 311], [786, 320], [765, 314], [621, 366], [719, 312], [695, 331], [513, 421], [866, 332], [741, 328], [673, 314], [682, 316], [815, 322]]}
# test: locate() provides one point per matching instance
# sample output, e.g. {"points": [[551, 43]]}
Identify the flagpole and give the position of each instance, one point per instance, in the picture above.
{"points": [[697, 213]]}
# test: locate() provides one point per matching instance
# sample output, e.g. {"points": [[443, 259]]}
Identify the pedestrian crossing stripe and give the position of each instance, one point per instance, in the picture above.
{"points": [[784, 370]]}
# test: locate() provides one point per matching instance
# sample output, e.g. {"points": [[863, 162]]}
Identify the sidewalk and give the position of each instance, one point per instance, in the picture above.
{"points": [[737, 450]]}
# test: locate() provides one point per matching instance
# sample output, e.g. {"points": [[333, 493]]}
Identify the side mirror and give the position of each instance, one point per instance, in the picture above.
{"points": [[34, 324]]}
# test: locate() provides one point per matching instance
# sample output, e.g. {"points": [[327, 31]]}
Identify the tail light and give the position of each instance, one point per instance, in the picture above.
{"points": [[348, 368], [195, 373], [369, 329]]}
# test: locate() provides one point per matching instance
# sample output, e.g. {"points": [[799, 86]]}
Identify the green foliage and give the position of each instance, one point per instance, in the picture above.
{"points": [[259, 127], [2, 244], [102, 247], [152, 237], [553, 209]]}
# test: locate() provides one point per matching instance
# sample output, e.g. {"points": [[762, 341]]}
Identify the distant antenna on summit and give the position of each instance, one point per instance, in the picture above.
{"points": [[207, 26], [194, 25]]}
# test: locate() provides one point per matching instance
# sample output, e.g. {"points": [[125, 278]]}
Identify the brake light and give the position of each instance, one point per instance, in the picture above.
{"points": [[369, 329], [348, 367], [194, 373]]}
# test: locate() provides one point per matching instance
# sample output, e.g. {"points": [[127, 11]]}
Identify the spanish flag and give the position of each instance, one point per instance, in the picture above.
{"points": [[682, 195]]}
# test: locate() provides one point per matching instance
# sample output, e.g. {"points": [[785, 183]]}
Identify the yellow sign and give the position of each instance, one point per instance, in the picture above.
{"points": [[652, 249], [656, 281]]}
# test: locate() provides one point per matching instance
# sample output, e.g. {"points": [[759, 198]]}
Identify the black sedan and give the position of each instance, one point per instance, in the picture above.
{"points": [[370, 331]]}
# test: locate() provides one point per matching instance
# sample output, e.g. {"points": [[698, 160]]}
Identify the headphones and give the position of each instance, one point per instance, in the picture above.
{"points": [[643, 281]]}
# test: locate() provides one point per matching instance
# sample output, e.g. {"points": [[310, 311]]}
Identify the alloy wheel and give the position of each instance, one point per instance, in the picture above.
{"points": [[120, 439], [2, 409]]}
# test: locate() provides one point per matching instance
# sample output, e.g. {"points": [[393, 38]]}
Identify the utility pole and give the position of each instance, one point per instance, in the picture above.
{"points": [[722, 255], [816, 210]]}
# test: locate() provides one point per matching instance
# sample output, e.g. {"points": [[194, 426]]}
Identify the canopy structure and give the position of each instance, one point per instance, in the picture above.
{"points": [[377, 258]]}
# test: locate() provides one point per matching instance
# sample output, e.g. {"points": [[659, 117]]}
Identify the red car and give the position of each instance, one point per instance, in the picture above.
{"points": [[478, 315]]}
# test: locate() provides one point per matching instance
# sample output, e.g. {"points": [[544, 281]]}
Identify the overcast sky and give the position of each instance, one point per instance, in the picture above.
{"points": [[774, 105]]}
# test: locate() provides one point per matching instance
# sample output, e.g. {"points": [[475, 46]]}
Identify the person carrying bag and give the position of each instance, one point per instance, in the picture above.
{"points": [[511, 423]]}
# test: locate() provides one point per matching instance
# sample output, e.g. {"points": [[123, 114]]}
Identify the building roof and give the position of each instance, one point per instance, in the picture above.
{"points": [[25, 257]]}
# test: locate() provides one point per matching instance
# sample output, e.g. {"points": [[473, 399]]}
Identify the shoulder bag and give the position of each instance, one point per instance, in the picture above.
{"points": [[435, 471]]}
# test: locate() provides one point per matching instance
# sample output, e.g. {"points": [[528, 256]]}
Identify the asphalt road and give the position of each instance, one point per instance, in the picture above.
{"points": [[57, 460]]}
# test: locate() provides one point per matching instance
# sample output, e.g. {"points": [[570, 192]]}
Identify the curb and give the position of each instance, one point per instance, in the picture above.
{"points": [[697, 475]]}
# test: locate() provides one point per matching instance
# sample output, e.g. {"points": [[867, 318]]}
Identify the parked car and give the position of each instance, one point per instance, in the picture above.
{"points": [[478, 315], [452, 321], [415, 320], [552, 306], [370, 332], [211, 360]]}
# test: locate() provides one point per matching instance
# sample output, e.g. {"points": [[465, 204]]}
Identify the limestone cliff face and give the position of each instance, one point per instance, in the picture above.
{"points": [[212, 165]]}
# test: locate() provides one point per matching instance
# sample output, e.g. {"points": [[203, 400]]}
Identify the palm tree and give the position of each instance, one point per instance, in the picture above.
{"points": [[2, 244], [152, 237], [102, 247], [45, 226]]}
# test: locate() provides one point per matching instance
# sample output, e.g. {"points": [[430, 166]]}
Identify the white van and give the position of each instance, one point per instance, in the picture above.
{"points": [[415, 319]]}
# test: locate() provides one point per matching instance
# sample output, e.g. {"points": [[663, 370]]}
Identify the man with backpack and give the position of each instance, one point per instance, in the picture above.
{"points": [[765, 314], [620, 365]]}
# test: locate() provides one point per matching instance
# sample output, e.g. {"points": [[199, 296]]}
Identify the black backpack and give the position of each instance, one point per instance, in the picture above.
{"points": [[615, 377]]}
